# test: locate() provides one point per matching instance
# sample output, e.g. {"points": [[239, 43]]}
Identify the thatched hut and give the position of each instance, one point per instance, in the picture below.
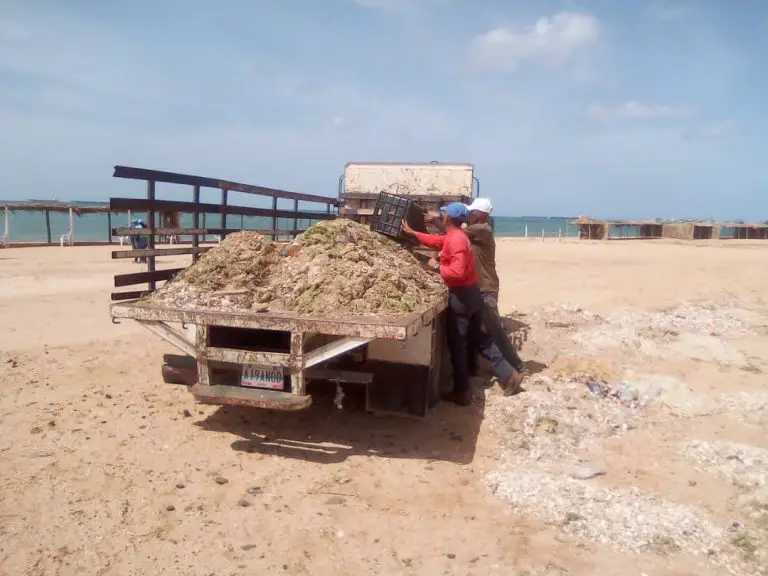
{"points": [[590, 229], [46, 208], [741, 231], [634, 229], [691, 230]]}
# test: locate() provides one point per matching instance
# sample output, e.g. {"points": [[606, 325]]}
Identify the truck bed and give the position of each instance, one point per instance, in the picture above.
{"points": [[361, 326]]}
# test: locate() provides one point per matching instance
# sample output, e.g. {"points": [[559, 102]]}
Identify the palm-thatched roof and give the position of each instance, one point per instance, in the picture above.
{"points": [[54, 207]]}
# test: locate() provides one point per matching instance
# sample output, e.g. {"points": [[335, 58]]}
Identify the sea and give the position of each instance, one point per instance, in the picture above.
{"points": [[30, 226]]}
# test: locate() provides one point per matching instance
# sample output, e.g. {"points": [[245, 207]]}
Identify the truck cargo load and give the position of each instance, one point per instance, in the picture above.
{"points": [[257, 321]]}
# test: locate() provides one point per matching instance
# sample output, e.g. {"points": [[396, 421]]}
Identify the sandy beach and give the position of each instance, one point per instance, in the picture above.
{"points": [[106, 470]]}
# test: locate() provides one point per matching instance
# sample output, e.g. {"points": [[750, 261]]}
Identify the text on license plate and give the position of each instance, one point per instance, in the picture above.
{"points": [[262, 377]]}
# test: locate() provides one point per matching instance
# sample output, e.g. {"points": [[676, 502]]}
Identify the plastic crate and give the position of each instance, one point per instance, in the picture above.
{"points": [[391, 210]]}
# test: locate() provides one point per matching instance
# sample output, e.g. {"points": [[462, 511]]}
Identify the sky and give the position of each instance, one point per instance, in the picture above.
{"points": [[636, 109]]}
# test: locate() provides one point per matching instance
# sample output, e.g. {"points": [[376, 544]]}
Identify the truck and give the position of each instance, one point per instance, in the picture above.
{"points": [[268, 359], [430, 184]]}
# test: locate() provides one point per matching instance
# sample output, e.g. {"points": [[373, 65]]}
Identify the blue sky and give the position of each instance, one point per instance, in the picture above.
{"points": [[639, 108]]}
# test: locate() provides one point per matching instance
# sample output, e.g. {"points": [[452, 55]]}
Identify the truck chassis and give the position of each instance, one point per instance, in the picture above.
{"points": [[266, 360]]}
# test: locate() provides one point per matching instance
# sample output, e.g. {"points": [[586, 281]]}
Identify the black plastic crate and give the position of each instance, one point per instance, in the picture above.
{"points": [[391, 210]]}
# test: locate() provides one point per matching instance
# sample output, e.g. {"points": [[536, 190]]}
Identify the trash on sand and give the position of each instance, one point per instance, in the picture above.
{"points": [[557, 421], [600, 388], [623, 392]]}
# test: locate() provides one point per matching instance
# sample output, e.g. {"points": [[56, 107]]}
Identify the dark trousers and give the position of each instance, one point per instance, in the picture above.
{"points": [[493, 325], [466, 335]]}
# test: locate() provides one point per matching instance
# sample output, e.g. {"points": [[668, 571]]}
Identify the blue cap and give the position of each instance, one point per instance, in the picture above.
{"points": [[456, 211]]}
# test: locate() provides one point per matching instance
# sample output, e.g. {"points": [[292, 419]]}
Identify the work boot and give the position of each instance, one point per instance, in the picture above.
{"points": [[514, 384], [459, 398]]}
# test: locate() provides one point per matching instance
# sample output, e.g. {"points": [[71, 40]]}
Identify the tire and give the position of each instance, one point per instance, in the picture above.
{"points": [[175, 375]]}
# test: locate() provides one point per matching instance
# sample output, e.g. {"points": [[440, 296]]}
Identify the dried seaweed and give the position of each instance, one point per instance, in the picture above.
{"points": [[335, 267]]}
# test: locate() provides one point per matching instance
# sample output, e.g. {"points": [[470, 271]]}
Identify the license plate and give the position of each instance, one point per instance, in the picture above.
{"points": [[262, 377]]}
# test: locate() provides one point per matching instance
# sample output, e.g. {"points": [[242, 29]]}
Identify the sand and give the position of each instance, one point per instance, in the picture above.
{"points": [[103, 472]]}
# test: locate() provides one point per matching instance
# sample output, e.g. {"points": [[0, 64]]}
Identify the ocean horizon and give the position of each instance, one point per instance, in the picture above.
{"points": [[30, 226]]}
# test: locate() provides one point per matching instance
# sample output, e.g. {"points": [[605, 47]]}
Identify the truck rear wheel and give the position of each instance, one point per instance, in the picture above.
{"points": [[177, 375]]}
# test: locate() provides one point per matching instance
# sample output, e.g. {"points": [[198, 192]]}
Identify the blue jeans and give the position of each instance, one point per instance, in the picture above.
{"points": [[466, 335]]}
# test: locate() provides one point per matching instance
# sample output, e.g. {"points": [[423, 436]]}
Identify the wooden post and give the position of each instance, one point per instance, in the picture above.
{"points": [[559, 234], [274, 219], [196, 221], [109, 228], [5, 234], [201, 346], [151, 237], [48, 225], [295, 212], [542, 233], [224, 210], [71, 228], [298, 384], [526, 230]]}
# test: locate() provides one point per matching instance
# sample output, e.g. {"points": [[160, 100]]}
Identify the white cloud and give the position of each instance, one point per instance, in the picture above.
{"points": [[634, 110], [552, 40]]}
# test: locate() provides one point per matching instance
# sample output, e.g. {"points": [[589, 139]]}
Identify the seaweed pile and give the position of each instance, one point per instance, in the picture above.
{"points": [[335, 267]]}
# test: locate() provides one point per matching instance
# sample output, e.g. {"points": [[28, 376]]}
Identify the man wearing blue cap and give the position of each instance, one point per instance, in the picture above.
{"points": [[465, 305], [479, 230]]}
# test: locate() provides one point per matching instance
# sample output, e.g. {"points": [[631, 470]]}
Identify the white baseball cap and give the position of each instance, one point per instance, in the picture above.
{"points": [[481, 205]]}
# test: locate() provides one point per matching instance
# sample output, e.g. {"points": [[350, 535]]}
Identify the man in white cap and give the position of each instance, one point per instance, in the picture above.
{"points": [[480, 234]]}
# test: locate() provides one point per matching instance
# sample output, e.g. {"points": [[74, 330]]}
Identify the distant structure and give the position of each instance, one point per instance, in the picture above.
{"points": [[691, 230], [594, 229], [741, 231], [46, 208]]}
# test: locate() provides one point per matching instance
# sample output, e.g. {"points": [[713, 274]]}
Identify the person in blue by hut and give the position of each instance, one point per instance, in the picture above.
{"points": [[139, 242]]}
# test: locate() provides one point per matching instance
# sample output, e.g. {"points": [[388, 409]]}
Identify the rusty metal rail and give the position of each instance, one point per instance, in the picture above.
{"points": [[394, 328], [155, 231]]}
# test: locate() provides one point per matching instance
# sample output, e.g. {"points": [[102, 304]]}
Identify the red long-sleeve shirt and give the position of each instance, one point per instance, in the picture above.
{"points": [[457, 261]]}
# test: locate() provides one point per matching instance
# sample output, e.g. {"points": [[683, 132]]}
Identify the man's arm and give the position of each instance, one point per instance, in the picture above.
{"points": [[471, 231], [478, 233], [430, 240]]}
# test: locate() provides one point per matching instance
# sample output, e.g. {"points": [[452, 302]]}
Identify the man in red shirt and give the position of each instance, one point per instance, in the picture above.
{"points": [[465, 305]]}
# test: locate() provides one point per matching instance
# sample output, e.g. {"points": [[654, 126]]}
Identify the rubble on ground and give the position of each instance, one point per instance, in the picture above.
{"points": [[625, 519], [556, 424], [552, 459], [751, 407], [697, 331], [334, 267], [739, 464]]}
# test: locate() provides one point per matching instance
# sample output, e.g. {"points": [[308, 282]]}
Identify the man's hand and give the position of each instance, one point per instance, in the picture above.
{"points": [[430, 218], [433, 264], [406, 228]]}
